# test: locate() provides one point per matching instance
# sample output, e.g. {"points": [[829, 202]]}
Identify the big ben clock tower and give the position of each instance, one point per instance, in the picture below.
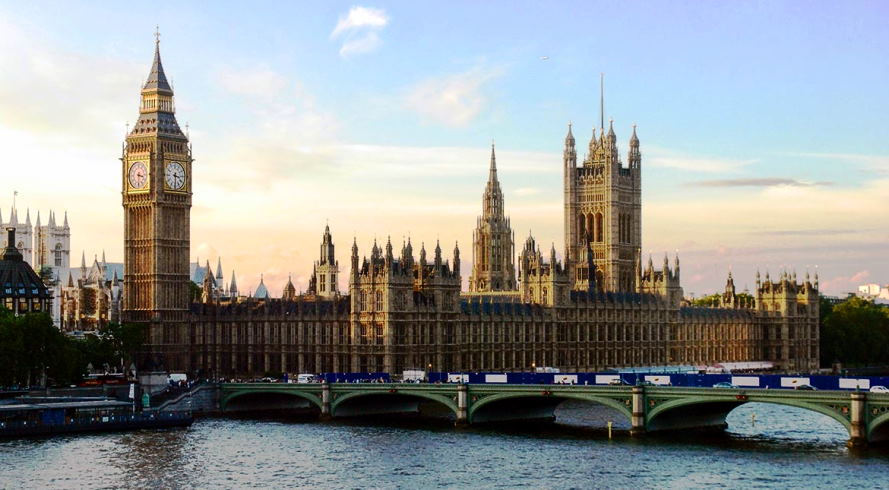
{"points": [[156, 190]]}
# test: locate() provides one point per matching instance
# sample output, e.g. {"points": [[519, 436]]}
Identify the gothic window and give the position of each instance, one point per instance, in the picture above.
{"points": [[323, 277], [379, 300], [599, 228], [363, 300], [58, 255]]}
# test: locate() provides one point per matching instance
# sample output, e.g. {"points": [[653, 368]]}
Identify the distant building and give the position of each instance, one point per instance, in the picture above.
{"points": [[41, 245], [90, 297], [873, 291]]}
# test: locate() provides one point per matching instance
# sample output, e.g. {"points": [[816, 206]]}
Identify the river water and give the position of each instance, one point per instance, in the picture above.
{"points": [[785, 448]]}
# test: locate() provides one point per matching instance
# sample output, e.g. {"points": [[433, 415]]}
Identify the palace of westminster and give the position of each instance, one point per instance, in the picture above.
{"points": [[601, 307]]}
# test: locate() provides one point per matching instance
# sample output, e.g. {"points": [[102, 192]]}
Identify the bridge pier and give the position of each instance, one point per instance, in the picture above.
{"points": [[858, 429], [462, 405], [637, 421], [325, 401]]}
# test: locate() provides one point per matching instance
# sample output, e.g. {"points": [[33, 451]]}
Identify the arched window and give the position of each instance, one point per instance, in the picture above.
{"points": [[58, 255]]}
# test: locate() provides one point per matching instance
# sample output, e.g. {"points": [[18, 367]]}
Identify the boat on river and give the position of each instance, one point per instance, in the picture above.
{"points": [[33, 416]]}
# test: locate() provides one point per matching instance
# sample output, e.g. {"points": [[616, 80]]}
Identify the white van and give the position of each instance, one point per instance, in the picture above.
{"points": [[176, 377]]}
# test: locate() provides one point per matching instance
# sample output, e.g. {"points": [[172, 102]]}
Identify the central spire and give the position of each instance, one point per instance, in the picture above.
{"points": [[602, 101], [157, 79], [492, 172], [493, 198]]}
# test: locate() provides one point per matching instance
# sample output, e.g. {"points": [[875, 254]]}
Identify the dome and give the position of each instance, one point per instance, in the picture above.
{"points": [[21, 289], [261, 291]]}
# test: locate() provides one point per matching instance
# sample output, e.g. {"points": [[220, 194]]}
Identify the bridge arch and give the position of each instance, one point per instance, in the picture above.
{"points": [[340, 399], [714, 410], [878, 428], [227, 397], [556, 399]]}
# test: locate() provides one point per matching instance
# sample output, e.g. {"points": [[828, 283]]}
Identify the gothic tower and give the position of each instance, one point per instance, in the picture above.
{"points": [[493, 248], [156, 190], [324, 276], [603, 210]]}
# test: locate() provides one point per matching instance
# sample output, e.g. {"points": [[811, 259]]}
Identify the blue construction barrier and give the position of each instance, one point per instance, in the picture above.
{"points": [[691, 380]]}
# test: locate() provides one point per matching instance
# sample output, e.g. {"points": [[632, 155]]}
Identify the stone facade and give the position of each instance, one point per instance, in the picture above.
{"points": [[596, 309]]}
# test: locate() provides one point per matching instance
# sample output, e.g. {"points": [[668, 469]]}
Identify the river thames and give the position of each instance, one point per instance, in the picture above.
{"points": [[785, 447]]}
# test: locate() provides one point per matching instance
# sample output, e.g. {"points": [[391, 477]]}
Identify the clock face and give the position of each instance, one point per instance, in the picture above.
{"points": [[138, 175], [174, 175]]}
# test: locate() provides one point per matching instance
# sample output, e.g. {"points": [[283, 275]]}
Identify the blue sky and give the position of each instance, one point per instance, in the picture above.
{"points": [[763, 124]]}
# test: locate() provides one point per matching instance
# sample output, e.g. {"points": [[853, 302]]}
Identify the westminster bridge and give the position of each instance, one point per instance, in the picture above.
{"points": [[647, 408]]}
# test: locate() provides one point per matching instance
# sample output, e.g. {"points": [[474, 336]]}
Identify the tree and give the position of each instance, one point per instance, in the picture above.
{"points": [[123, 340], [32, 350], [854, 332], [709, 300]]}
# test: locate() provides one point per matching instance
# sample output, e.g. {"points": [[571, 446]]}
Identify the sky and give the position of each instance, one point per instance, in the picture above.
{"points": [[763, 125]]}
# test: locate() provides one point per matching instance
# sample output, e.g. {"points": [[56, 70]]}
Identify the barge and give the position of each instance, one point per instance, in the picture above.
{"points": [[26, 416]]}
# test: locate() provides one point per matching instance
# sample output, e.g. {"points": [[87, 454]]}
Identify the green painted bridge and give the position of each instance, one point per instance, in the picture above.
{"points": [[648, 408]]}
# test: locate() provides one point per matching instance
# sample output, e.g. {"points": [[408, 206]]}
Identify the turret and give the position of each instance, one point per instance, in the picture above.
{"points": [[289, 293], [407, 256], [437, 256], [456, 259], [233, 286], [422, 255], [634, 157], [354, 260]]}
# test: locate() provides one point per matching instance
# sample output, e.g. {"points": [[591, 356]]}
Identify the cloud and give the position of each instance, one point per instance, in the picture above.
{"points": [[666, 158], [821, 232], [453, 100], [756, 182], [844, 283], [878, 163], [365, 44], [359, 30], [359, 17], [527, 191]]}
